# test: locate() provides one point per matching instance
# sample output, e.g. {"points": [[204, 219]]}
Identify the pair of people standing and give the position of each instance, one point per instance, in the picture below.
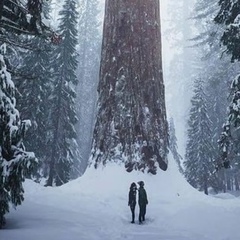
{"points": [[142, 201]]}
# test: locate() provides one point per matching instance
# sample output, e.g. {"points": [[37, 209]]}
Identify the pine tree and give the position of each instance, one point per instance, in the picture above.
{"points": [[33, 97], [15, 162], [217, 79], [88, 74], [33, 100], [15, 17], [228, 17], [131, 125], [198, 160], [63, 112]]}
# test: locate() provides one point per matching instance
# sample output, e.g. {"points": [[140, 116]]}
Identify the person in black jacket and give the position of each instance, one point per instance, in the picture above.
{"points": [[142, 201], [132, 199]]}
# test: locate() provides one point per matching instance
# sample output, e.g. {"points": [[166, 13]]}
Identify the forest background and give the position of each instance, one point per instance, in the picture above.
{"points": [[55, 86]]}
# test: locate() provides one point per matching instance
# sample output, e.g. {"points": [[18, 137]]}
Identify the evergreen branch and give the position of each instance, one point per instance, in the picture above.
{"points": [[19, 30], [20, 75], [22, 45], [19, 6]]}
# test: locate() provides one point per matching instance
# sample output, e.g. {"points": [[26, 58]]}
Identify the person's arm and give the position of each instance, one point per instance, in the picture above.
{"points": [[146, 196], [129, 197]]}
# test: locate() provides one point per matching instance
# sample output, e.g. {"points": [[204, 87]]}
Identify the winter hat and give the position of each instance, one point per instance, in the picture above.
{"points": [[133, 185], [141, 183]]}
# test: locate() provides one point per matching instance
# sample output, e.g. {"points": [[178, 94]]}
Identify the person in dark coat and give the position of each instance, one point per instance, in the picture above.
{"points": [[132, 199], [142, 201]]}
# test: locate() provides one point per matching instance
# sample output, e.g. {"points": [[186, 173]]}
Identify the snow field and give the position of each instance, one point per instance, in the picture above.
{"points": [[95, 207]]}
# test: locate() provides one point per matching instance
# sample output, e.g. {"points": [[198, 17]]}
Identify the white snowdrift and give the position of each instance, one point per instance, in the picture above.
{"points": [[94, 207]]}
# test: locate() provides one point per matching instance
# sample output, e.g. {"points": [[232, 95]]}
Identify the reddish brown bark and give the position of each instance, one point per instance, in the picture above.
{"points": [[131, 122]]}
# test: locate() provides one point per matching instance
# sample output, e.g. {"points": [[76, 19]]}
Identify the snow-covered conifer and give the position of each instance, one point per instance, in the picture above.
{"points": [[23, 17], [33, 97], [62, 98], [15, 162], [217, 79], [228, 17], [198, 159]]}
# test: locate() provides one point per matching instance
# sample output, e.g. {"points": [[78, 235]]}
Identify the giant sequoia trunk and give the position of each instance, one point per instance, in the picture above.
{"points": [[131, 125]]}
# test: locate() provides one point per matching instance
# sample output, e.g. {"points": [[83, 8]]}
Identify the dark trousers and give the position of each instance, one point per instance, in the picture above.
{"points": [[142, 212], [132, 207]]}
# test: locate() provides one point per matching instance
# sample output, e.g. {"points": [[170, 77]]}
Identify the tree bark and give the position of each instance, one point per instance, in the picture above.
{"points": [[131, 125]]}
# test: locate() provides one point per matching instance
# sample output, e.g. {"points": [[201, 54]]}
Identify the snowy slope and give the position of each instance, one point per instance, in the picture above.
{"points": [[94, 207]]}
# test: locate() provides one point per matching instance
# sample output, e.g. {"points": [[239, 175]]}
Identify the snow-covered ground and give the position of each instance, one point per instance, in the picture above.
{"points": [[95, 207]]}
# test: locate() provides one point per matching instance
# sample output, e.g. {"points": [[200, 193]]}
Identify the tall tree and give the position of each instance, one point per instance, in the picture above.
{"points": [[33, 100], [15, 162], [198, 160], [88, 74], [20, 19], [63, 112], [131, 125], [217, 79], [228, 17]]}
